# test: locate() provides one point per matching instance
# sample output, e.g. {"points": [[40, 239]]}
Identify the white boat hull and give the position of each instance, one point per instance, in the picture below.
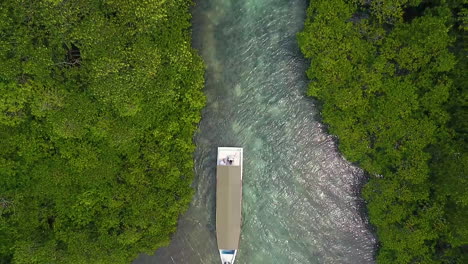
{"points": [[228, 202], [228, 256]]}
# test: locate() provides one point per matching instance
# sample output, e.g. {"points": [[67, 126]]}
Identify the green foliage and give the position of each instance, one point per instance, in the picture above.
{"points": [[394, 94], [99, 101]]}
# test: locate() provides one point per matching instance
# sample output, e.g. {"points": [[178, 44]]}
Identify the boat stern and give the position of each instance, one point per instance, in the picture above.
{"points": [[227, 256]]}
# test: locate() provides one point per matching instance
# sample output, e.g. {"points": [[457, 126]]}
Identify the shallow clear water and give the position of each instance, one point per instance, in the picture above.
{"points": [[300, 197]]}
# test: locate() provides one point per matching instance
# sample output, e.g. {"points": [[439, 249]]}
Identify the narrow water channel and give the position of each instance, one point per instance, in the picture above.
{"points": [[301, 202]]}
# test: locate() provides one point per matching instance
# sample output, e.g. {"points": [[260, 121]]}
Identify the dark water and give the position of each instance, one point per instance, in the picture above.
{"points": [[300, 202]]}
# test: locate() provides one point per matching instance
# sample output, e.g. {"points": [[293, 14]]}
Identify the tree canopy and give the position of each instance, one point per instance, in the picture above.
{"points": [[392, 79], [99, 101]]}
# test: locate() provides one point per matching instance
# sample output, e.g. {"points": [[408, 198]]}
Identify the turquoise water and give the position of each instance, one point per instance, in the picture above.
{"points": [[300, 197]]}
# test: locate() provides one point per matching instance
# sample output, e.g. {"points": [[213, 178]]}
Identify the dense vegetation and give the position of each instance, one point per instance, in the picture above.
{"points": [[392, 78], [99, 101]]}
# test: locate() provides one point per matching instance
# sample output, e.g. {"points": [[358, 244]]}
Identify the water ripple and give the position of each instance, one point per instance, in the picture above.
{"points": [[300, 197]]}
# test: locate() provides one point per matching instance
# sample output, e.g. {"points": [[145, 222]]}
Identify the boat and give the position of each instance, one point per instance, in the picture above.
{"points": [[228, 202]]}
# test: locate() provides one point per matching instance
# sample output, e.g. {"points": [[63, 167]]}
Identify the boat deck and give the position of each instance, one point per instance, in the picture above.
{"points": [[228, 197]]}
